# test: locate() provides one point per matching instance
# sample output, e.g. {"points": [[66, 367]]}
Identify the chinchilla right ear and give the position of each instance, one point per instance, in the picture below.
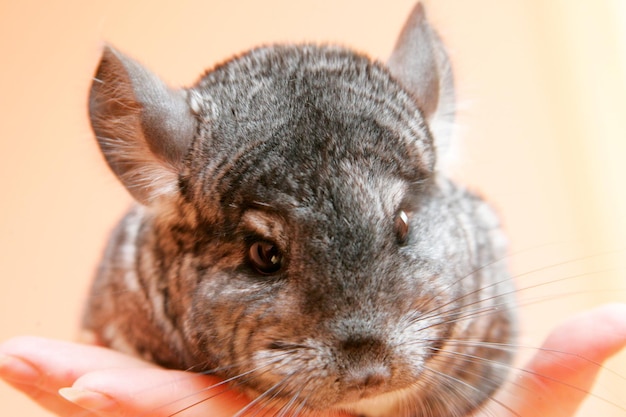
{"points": [[420, 63], [143, 127]]}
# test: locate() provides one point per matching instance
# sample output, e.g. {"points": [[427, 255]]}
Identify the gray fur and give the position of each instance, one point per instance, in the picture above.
{"points": [[316, 150]]}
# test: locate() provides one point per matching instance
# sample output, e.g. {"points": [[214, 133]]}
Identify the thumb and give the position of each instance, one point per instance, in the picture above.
{"points": [[556, 381]]}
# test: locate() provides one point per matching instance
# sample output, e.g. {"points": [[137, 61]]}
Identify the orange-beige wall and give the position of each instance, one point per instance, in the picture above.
{"points": [[542, 91]]}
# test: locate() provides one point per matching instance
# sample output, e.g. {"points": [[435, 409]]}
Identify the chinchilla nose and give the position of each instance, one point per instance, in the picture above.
{"points": [[366, 366]]}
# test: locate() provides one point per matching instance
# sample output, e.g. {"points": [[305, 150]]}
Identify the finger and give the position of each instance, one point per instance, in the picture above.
{"points": [[52, 401], [561, 374], [51, 364], [154, 392], [39, 367], [106, 381]]}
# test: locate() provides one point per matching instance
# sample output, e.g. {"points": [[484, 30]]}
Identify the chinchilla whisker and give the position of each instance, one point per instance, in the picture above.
{"points": [[267, 396], [242, 364], [436, 312], [503, 347], [568, 261], [192, 394], [436, 309], [518, 347], [227, 384], [477, 359], [269, 405], [562, 354], [455, 316], [289, 406], [566, 278], [452, 312], [442, 355], [517, 277], [456, 382], [562, 295], [250, 375], [299, 406], [263, 397], [574, 387], [295, 403]]}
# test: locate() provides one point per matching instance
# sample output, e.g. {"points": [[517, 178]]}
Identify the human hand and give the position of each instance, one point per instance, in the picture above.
{"points": [[95, 381], [77, 380]]}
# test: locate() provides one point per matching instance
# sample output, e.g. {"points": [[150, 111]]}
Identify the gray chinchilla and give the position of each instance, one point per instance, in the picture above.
{"points": [[295, 234]]}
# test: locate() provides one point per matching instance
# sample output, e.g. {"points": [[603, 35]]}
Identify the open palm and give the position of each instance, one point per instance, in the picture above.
{"points": [[95, 381]]}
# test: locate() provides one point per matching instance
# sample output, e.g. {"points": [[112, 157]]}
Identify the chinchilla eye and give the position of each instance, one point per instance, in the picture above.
{"points": [[265, 257], [401, 227]]}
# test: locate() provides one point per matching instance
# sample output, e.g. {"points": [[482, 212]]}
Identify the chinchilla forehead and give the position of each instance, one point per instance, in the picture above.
{"points": [[284, 119]]}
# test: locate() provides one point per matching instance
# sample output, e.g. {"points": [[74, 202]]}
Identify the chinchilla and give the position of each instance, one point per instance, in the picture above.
{"points": [[294, 232]]}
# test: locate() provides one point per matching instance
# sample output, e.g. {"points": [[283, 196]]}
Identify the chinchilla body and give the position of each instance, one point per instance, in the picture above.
{"points": [[293, 231]]}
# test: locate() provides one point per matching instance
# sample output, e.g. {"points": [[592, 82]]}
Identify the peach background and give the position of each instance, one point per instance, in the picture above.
{"points": [[542, 88]]}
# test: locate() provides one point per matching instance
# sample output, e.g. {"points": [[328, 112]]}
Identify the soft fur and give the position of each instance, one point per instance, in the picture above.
{"points": [[322, 154]]}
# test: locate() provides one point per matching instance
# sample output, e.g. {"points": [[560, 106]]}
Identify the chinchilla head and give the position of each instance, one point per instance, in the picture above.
{"points": [[293, 227]]}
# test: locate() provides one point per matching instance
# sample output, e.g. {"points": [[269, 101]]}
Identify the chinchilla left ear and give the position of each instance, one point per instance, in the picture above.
{"points": [[144, 128]]}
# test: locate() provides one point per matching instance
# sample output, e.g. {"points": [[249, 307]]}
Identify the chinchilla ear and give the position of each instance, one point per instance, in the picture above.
{"points": [[420, 63], [143, 128]]}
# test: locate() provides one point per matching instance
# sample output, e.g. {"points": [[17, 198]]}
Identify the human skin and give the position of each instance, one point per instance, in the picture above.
{"points": [[73, 380]]}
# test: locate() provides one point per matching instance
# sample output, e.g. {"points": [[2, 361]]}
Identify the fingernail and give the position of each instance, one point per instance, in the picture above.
{"points": [[90, 400], [17, 370]]}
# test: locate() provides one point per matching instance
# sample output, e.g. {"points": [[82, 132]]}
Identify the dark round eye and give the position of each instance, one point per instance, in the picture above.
{"points": [[265, 257], [401, 227]]}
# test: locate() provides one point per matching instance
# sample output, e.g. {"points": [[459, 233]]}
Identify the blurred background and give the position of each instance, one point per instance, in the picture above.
{"points": [[542, 132]]}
